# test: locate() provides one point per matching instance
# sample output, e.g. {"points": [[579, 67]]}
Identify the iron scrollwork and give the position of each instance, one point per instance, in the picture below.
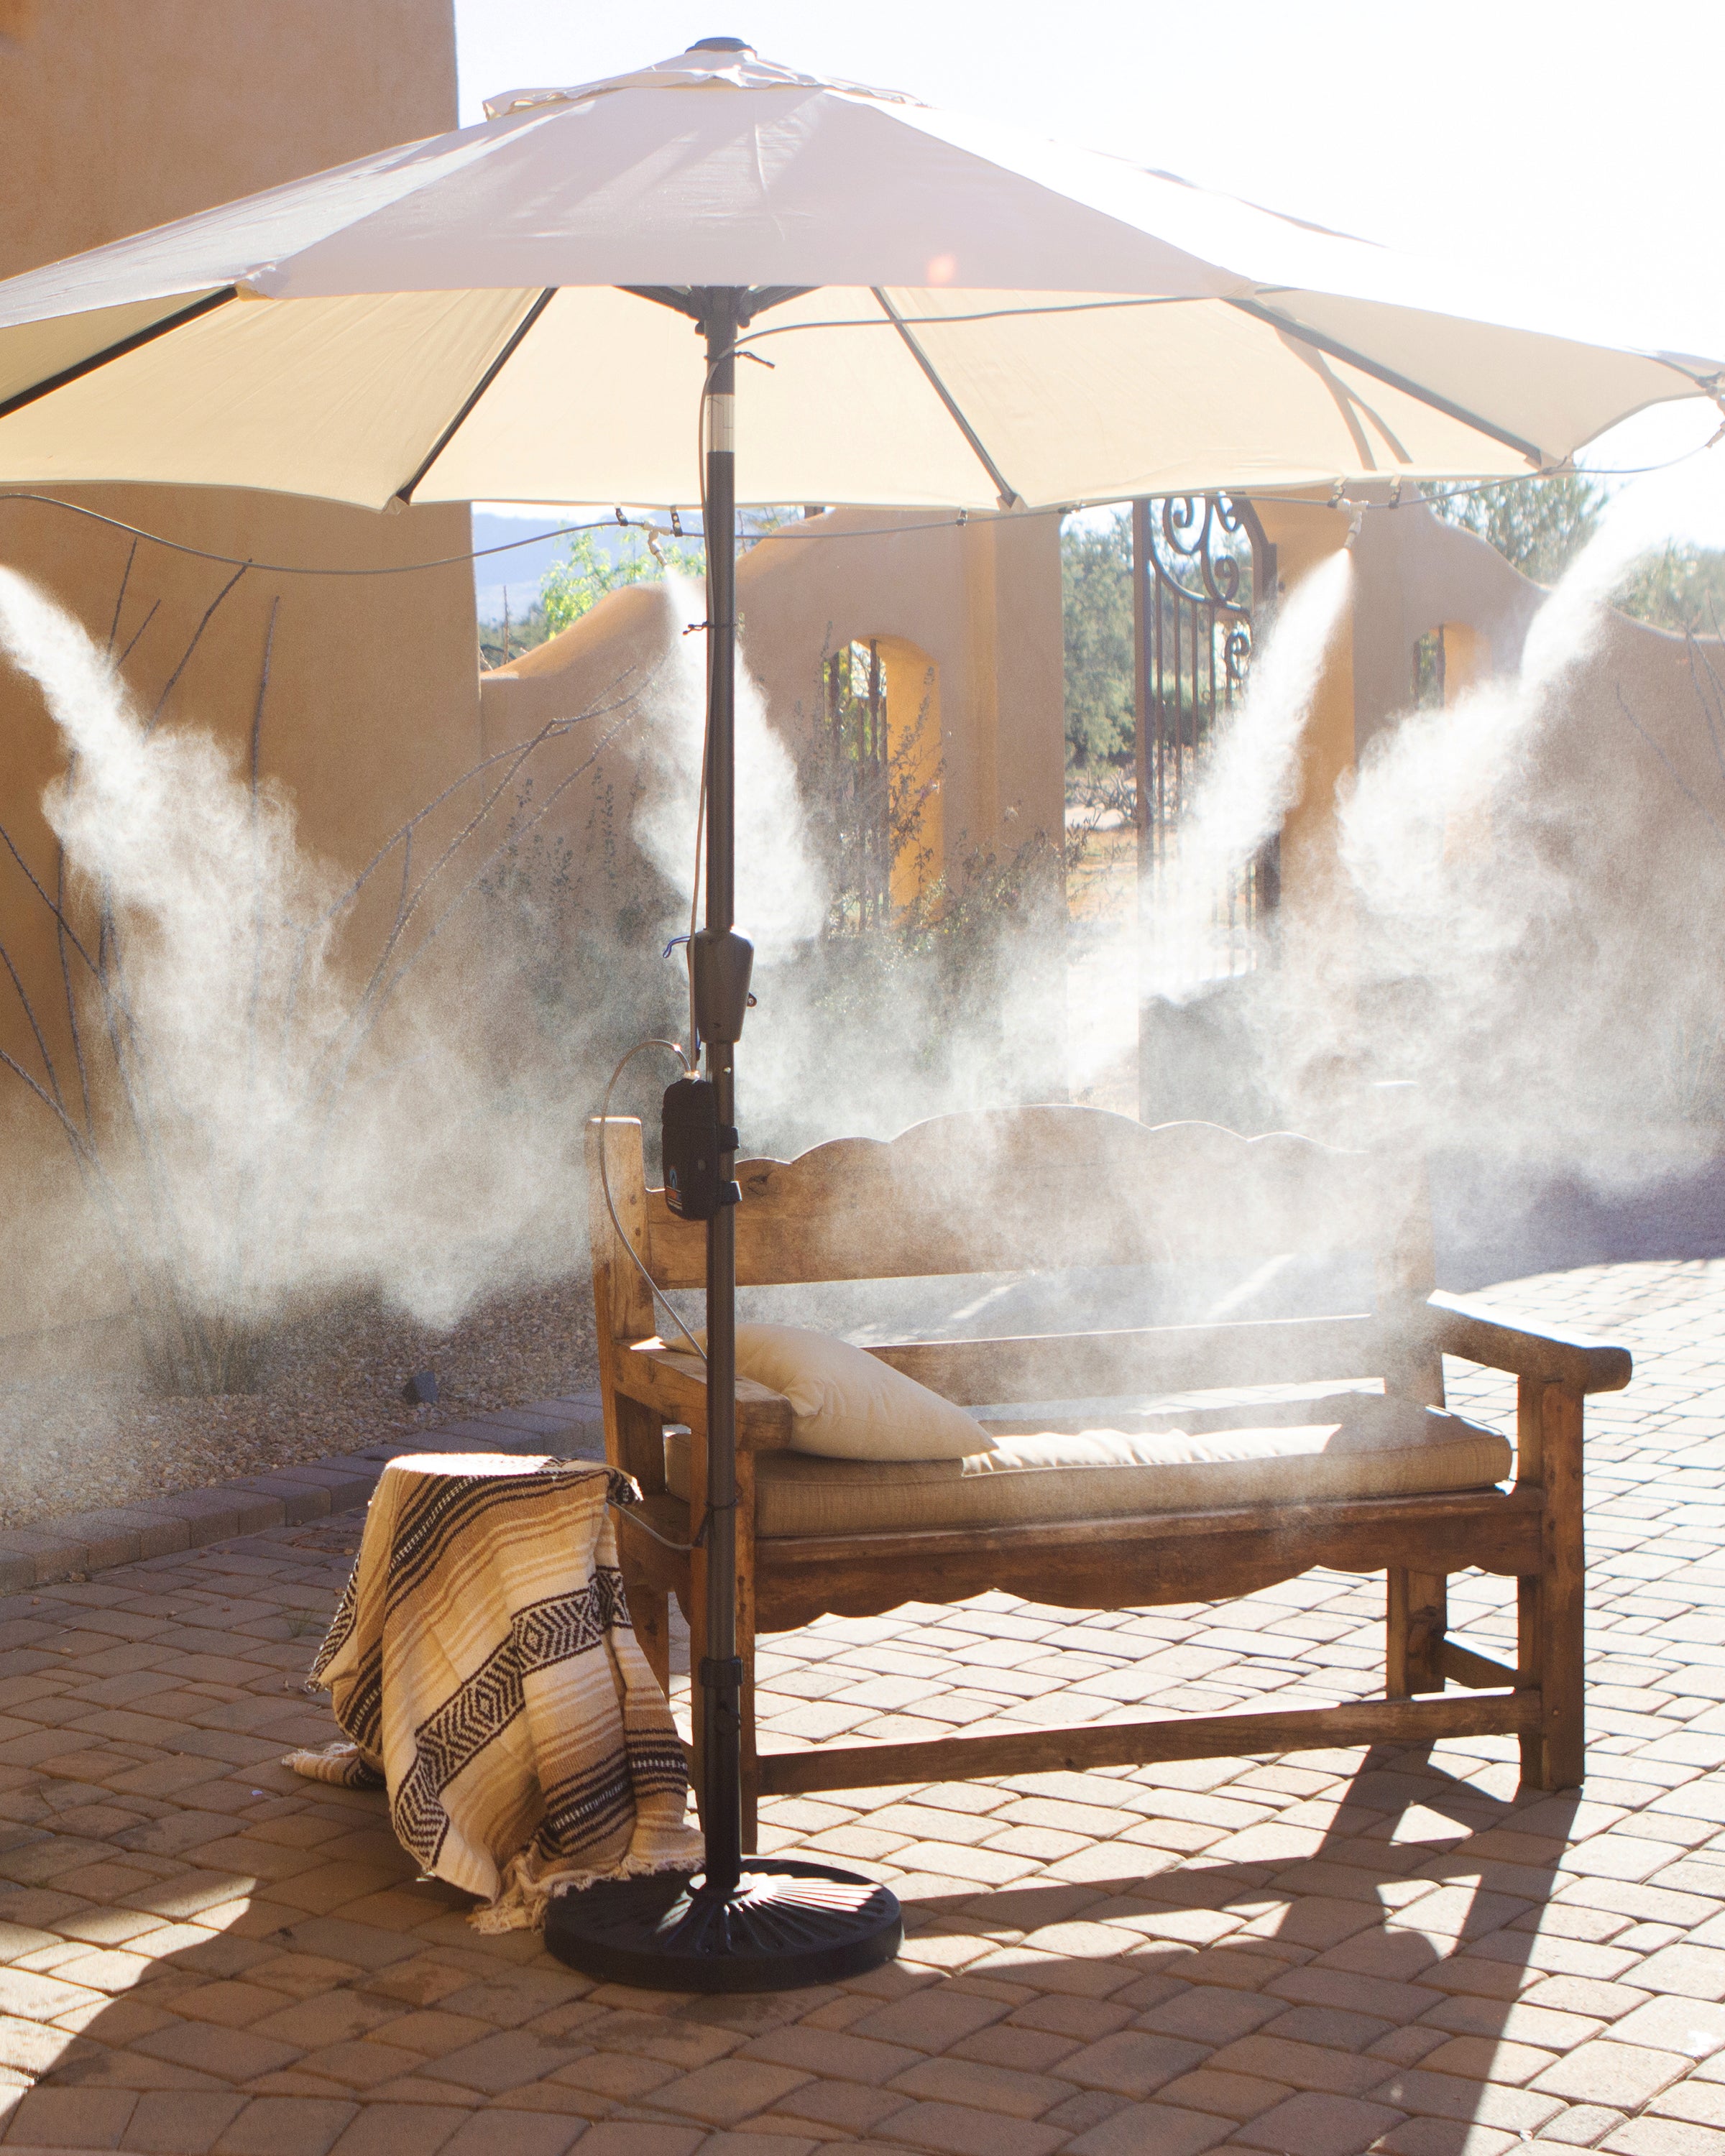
{"points": [[1197, 539], [1205, 567]]}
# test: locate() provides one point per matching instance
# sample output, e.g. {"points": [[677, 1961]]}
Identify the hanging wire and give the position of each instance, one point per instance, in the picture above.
{"points": [[674, 1048], [802, 534], [636, 1519]]}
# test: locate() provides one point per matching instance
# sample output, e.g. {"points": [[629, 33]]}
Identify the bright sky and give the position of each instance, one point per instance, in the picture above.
{"points": [[1573, 142]]}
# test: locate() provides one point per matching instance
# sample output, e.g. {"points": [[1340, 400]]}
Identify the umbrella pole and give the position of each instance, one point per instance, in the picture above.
{"points": [[743, 1924], [720, 1676]]}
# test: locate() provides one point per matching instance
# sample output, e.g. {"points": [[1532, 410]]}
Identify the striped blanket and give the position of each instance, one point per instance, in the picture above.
{"points": [[483, 1668]]}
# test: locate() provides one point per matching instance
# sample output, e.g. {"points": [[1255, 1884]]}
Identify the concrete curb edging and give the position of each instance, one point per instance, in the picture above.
{"points": [[81, 1544]]}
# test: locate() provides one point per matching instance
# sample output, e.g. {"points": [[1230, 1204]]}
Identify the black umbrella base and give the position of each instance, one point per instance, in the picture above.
{"points": [[785, 1924]]}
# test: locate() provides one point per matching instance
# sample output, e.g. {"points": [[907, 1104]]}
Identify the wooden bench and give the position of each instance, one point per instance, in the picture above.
{"points": [[1036, 1189]]}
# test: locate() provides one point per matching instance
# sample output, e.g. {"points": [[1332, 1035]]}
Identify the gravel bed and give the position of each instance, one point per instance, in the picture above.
{"points": [[333, 1383]]}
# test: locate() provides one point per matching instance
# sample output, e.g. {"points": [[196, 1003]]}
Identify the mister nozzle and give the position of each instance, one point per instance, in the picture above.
{"points": [[1356, 526]]}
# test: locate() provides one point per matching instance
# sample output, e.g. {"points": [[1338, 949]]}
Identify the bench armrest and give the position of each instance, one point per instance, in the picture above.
{"points": [[674, 1385], [1456, 1328]]}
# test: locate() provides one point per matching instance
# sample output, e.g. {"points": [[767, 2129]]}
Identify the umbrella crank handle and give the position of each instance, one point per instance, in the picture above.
{"points": [[720, 964]]}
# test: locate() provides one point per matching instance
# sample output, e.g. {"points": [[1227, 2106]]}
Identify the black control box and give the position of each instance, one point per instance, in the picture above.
{"points": [[693, 1139]]}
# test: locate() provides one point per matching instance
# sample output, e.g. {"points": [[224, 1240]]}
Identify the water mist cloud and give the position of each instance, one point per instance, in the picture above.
{"points": [[1179, 944], [1249, 781], [781, 896], [1523, 919], [272, 1130]]}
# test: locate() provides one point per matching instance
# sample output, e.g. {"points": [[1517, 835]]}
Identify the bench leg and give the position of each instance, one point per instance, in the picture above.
{"points": [[1416, 1617], [1550, 1608], [639, 1449], [649, 1613]]}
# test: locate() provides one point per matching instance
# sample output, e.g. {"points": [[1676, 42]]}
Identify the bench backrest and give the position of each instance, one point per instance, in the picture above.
{"points": [[1036, 1189]]}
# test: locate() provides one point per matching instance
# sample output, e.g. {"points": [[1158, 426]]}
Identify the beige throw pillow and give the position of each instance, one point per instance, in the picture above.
{"points": [[850, 1405]]}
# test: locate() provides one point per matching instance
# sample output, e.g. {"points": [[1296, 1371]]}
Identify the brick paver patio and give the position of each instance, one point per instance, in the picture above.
{"points": [[1318, 1956]]}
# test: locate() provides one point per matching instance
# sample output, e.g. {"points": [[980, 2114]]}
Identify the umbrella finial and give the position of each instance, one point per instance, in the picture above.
{"points": [[721, 45]]}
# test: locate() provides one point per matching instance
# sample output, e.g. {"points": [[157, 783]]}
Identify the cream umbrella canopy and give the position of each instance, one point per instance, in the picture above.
{"points": [[957, 315], [952, 314]]}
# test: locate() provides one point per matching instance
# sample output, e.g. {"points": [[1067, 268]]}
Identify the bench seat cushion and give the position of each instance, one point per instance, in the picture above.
{"points": [[1367, 1446]]}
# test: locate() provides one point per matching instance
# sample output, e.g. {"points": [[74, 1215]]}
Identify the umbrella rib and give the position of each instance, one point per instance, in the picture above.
{"points": [[405, 494], [1349, 357], [692, 300], [1008, 493], [762, 296], [679, 297], [118, 350]]}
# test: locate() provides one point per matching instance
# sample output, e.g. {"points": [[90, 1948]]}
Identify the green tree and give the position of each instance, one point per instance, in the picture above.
{"points": [[1539, 525], [575, 585], [1682, 588], [1096, 605]]}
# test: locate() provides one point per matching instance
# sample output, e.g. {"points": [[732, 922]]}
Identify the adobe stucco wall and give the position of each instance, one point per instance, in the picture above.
{"points": [[1576, 996], [981, 600], [978, 605], [112, 119], [1412, 573]]}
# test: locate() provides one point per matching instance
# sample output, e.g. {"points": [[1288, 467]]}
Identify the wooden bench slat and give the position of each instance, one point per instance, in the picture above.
{"points": [[1463, 1666], [1017, 1189], [1133, 1744], [1159, 1358], [1462, 1329], [1143, 1563]]}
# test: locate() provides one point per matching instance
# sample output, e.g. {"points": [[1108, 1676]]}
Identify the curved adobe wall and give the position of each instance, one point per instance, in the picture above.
{"points": [[110, 127], [976, 607]]}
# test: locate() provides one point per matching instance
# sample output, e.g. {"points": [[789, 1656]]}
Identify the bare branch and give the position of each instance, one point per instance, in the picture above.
{"points": [[263, 691], [554, 730], [29, 1012], [155, 607], [209, 613], [1710, 695], [74, 1137], [257, 869], [62, 937], [114, 625], [6, 839], [466, 891], [1687, 792], [408, 906]]}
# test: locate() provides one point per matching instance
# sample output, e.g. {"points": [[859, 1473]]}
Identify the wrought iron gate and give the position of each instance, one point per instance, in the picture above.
{"points": [[858, 787], [1201, 570]]}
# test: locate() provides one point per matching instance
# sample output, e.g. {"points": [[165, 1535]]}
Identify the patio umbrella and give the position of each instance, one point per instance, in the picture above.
{"points": [[980, 318], [950, 314]]}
